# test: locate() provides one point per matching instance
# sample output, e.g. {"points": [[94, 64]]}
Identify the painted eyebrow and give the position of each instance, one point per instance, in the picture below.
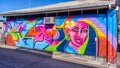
{"points": [[74, 27], [84, 27]]}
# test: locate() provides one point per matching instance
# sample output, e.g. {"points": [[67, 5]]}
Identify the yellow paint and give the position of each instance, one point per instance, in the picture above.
{"points": [[15, 38], [61, 26], [69, 24], [97, 30]]}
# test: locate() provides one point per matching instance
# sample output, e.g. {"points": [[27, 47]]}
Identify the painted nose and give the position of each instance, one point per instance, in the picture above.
{"points": [[79, 34]]}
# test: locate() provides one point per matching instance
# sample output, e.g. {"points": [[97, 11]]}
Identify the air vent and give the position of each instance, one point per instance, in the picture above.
{"points": [[49, 20]]}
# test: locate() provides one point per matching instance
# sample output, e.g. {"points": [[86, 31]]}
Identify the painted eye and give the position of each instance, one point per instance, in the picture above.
{"points": [[75, 29], [84, 31]]}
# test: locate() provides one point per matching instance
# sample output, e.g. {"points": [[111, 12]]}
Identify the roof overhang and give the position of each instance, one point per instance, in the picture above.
{"points": [[62, 7]]}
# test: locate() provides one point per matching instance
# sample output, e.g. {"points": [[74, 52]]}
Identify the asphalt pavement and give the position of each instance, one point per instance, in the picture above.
{"points": [[17, 58]]}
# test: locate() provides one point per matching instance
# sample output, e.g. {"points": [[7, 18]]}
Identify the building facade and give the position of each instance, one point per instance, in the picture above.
{"points": [[2, 30], [92, 34]]}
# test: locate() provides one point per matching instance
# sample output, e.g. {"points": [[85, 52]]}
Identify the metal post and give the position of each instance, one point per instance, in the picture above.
{"points": [[68, 13], [97, 11], [46, 15], [82, 12], [56, 14]]}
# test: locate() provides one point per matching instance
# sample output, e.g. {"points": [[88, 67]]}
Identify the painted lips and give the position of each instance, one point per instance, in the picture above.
{"points": [[79, 41]]}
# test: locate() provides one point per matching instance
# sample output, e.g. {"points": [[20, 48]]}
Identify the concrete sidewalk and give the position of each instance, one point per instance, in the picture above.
{"points": [[90, 63], [85, 60]]}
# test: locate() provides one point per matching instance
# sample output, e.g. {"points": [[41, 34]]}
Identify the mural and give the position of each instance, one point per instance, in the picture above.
{"points": [[77, 34]]}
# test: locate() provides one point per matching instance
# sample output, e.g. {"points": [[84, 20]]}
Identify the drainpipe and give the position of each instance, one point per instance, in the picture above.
{"points": [[109, 7], [118, 22], [117, 8]]}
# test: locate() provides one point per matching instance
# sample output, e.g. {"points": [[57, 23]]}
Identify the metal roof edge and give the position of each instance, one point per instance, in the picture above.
{"points": [[88, 6]]}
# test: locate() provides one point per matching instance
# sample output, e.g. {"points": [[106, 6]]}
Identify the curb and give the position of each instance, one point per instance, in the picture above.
{"points": [[81, 60], [8, 47]]}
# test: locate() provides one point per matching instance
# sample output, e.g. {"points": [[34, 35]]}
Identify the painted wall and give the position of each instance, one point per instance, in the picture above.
{"points": [[92, 35], [2, 30]]}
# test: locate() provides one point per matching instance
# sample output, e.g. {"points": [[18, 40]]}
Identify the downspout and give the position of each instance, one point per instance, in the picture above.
{"points": [[118, 20], [109, 7], [107, 50]]}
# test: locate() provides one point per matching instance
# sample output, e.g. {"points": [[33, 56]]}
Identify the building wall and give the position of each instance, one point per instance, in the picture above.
{"points": [[92, 35], [2, 29]]}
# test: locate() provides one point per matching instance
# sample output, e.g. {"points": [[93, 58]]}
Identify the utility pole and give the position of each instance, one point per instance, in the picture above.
{"points": [[29, 3]]}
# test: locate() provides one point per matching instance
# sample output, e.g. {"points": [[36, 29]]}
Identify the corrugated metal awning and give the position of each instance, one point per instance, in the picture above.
{"points": [[62, 7]]}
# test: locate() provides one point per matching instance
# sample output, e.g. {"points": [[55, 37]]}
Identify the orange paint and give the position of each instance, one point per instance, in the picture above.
{"points": [[105, 52], [9, 40], [32, 32]]}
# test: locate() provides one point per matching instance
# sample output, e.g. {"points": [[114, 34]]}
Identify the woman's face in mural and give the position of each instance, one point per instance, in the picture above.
{"points": [[78, 33]]}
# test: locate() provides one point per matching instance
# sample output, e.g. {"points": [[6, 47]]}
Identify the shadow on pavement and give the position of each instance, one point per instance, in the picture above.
{"points": [[15, 58]]}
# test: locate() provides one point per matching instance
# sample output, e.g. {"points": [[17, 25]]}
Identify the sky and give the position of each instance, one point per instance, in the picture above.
{"points": [[10, 5]]}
